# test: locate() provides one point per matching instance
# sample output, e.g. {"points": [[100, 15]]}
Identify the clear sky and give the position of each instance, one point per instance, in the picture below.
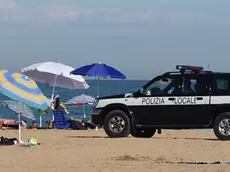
{"points": [[140, 38]]}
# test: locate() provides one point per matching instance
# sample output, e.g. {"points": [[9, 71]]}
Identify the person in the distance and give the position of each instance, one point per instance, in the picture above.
{"points": [[58, 105]]}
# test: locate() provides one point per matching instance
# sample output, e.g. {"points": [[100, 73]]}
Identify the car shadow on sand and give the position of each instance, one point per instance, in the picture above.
{"points": [[160, 138], [87, 137], [187, 138]]}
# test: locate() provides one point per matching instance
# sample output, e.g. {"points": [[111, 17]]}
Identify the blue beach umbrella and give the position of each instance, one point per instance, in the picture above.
{"points": [[22, 89], [98, 70]]}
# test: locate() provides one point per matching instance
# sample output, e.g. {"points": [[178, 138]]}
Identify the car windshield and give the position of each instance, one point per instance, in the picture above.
{"points": [[156, 86]]}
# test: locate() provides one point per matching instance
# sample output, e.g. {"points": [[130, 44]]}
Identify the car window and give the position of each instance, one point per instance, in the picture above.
{"points": [[195, 85], [158, 87], [222, 84]]}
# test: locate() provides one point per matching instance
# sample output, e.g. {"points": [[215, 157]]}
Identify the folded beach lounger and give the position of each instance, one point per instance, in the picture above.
{"points": [[60, 121]]}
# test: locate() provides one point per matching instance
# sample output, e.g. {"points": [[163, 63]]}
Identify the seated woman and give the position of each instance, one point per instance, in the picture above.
{"points": [[58, 105]]}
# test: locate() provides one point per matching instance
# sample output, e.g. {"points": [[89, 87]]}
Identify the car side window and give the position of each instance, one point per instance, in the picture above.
{"points": [[195, 85], [221, 86]]}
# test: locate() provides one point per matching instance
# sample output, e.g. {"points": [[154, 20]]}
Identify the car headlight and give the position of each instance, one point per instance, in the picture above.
{"points": [[95, 103], [95, 111]]}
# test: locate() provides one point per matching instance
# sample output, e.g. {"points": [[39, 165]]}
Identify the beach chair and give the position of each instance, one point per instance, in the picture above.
{"points": [[60, 121]]}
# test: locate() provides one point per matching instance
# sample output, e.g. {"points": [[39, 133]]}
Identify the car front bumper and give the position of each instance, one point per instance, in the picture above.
{"points": [[96, 117]]}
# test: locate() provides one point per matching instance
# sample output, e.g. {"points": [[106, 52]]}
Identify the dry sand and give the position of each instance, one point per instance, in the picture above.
{"points": [[84, 151]]}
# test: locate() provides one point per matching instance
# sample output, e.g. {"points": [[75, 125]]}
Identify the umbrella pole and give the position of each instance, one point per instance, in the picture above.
{"points": [[97, 94], [40, 121], [97, 87], [19, 128], [19, 124], [84, 110], [52, 97]]}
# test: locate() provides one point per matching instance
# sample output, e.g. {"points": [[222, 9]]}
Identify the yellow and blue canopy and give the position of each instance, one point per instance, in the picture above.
{"points": [[21, 88]]}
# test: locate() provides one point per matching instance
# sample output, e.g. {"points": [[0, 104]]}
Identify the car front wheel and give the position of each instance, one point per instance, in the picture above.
{"points": [[117, 124]]}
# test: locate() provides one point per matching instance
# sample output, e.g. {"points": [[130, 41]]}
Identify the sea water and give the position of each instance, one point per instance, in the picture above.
{"points": [[106, 88]]}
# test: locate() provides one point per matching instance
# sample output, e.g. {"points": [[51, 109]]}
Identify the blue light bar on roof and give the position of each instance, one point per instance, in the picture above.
{"points": [[186, 67]]}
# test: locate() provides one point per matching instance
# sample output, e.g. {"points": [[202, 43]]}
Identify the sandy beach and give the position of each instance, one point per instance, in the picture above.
{"points": [[69, 150]]}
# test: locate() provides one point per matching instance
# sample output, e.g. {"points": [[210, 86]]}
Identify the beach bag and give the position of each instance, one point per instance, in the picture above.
{"points": [[33, 141], [76, 125], [7, 141]]}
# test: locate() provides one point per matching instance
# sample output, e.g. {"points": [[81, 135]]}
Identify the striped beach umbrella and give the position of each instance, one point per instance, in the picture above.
{"points": [[22, 89]]}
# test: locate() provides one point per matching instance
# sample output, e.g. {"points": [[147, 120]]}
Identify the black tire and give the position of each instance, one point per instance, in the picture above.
{"points": [[116, 114], [143, 133], [217, 122]]}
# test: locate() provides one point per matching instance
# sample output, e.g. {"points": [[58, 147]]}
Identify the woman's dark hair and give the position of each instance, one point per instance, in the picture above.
{"points": [[57, 103], [24, 121]]}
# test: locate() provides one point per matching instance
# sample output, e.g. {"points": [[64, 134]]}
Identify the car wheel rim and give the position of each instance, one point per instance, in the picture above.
{"points": [[117, 124], [224, 127]]}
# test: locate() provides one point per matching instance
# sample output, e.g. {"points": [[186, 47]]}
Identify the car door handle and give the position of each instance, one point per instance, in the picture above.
{"points": [[199, 98], [171, 99]]}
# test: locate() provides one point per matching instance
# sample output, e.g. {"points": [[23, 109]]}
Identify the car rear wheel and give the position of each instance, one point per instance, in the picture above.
{"points": [[143, 133], [117, 124], [221, 126]]}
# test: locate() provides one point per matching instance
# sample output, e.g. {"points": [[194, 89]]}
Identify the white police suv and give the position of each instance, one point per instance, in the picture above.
{"points": [[188, 98]]}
